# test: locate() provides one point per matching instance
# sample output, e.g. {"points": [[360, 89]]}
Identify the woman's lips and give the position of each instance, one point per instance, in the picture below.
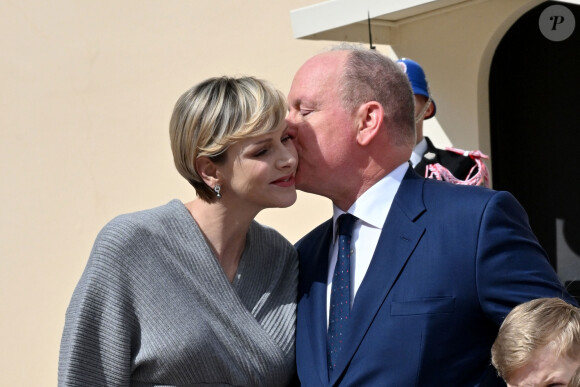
{"points": [[286, 181]]}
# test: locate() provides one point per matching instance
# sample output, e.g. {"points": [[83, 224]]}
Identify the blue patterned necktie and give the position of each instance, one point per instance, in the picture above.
{"points": [[340, 292]]}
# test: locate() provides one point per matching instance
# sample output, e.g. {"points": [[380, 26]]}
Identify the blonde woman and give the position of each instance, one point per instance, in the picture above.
{"points": [[197, 293]]}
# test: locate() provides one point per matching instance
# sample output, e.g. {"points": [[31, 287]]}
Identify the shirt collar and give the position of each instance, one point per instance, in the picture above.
{"points": [[418, 152], [372, 207]]}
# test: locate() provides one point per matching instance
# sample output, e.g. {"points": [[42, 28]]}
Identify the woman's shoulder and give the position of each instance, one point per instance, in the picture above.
{"points": [[129, 230], [270, 237], [149, 218]]}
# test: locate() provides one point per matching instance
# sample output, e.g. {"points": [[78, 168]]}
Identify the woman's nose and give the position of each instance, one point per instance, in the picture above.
{"points": [[288, 158]]}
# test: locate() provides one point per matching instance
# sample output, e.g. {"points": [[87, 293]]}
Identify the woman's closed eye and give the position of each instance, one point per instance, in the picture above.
{"points": [[261, 152]]}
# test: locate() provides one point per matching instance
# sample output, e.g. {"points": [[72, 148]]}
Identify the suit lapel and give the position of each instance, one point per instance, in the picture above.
{"points": [[312, 305], [398, 239]]}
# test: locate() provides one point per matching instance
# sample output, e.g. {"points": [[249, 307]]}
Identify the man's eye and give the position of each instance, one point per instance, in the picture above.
{"points": [[305, 112]]}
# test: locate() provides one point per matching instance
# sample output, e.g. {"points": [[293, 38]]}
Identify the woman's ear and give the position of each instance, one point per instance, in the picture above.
{"points": [[207, 170], [369, 122]]}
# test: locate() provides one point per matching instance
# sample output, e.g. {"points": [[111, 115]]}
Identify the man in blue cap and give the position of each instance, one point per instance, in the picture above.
{"points": [[453, 165]]}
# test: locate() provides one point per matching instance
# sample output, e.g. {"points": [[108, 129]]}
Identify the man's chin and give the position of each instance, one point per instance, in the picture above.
{"points": [[303, 184], [306, 188], [299, 183]]}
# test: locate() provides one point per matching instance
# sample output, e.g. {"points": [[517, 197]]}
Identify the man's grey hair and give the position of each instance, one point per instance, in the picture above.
{"points": [[372, 76]]}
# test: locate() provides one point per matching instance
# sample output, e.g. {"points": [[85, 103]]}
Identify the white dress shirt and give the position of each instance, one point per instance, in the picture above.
{"points": [[418, 152], [371, 209]]}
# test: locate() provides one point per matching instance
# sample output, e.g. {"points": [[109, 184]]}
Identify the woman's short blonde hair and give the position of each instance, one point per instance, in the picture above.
{"points": [[575, 381], [532, 326], [213, 115]]}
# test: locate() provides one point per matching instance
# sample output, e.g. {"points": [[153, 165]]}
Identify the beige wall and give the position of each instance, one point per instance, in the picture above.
{"points": [[87, 89]]}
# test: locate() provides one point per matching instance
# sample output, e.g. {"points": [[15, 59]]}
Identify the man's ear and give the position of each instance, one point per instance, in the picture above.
{"points": [[369, 118], [207, 170]]}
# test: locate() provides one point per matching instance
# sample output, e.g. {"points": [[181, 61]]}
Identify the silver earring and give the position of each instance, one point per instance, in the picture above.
{"points": [[217, 189]]}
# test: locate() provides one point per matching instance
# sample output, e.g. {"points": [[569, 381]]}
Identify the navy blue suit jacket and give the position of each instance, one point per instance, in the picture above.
{"points": [[450, 264]]}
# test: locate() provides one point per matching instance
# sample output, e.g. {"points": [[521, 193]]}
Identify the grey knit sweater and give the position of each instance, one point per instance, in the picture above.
{"points": [[154, 307]]}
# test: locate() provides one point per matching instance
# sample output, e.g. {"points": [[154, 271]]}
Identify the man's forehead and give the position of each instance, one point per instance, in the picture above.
{"points": [[328, 59], [320, 70]]}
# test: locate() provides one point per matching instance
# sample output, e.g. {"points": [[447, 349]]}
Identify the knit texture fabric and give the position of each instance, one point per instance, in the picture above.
{"points": [[154, 308]]}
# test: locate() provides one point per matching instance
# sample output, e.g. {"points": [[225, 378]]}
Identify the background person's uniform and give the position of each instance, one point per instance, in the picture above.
{"points": [[427, 154], [453, 165]]}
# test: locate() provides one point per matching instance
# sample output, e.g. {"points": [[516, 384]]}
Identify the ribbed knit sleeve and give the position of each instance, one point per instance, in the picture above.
{"points": [[100, 324]]}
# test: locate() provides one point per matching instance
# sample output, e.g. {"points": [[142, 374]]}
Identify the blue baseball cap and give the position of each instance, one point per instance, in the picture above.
{"points": [[418, 80]]}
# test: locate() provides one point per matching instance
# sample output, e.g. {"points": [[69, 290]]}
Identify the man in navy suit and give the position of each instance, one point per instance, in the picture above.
{"points": [[434, 267]]}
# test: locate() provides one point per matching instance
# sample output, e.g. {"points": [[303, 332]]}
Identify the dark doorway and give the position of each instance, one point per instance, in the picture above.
{"points": [[534, 91]]}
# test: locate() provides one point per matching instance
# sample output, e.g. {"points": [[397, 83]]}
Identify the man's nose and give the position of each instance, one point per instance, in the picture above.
{"points": [[291, 118]]}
